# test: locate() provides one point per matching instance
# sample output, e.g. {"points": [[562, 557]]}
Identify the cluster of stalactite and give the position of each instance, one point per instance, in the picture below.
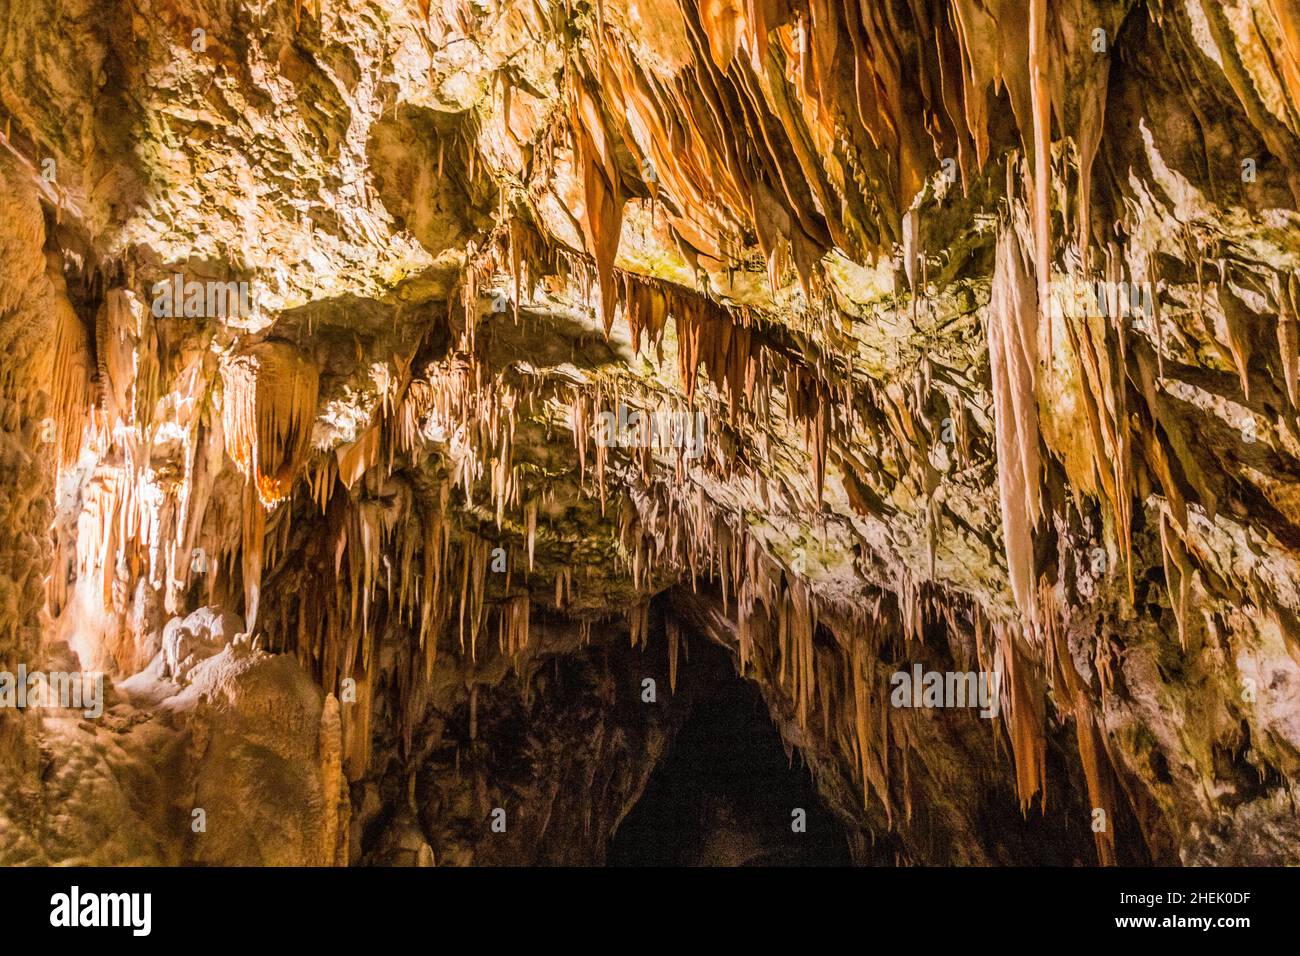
{"points": [[832, 156], [836, 156], [830, 660], [796, 128], [383, 554], [902, 132], [390, 555], [737, 348]]}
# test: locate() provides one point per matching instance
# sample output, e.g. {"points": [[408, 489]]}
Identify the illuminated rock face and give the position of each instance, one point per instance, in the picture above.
{"points": [[486, 361]]}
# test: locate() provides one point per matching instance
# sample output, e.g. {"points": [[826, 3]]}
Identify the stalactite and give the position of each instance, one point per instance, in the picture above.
{"points": [[1025, 717], [512, 623], [1042, 179], [253, 541], [70, 386], [674, 634], [1073, 696], [530, 519], [268, 406], [1107, 434], [1288, 339], [1013, 361], [638, 623], [1178, 574], [603, 217]]}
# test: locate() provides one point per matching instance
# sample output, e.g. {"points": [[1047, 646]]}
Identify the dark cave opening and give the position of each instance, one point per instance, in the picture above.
{"points": [[726, 795]]}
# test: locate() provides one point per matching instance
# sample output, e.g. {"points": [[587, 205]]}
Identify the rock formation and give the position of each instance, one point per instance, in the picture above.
{"points": [[414, 410]]}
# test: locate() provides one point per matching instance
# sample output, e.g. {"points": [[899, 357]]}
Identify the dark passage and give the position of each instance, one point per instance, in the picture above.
{"points": [[724, 796]]}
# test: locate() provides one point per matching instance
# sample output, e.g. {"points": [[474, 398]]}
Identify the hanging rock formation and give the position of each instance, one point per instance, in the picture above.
{"points": [[389, 388]]}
